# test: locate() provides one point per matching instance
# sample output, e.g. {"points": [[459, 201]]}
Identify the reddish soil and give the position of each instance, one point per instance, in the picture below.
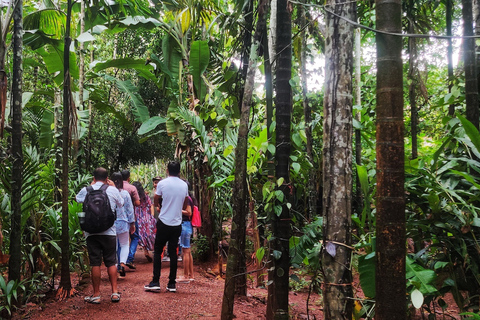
{"points": [[201, 298]]}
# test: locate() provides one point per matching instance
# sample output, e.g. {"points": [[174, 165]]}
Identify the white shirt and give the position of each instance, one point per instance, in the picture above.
{"points": [[115, 198], [173, 191]]}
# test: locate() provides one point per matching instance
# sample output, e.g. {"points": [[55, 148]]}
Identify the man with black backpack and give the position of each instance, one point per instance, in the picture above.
{"points": [[99, 203]]}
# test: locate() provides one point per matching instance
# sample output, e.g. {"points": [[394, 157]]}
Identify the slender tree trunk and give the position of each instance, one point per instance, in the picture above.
{"points": [[3, 73], [476, 19], [358, 117], [412, 74], [283, 103], [65, 282], [268, 56], [390, 253], [471, 86], [267, 60], [449, 15], [236, 262], [337, 161], [17, 153], [307, 112]]}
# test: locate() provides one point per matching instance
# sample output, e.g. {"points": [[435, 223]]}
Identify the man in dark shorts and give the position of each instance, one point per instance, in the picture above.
{"points": [[103, 245]]}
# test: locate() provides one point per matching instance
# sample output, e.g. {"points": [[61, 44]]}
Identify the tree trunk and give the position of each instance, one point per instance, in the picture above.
{"points": [[283, 103], [390, 253], [449, 15], [412, 74], [307, 112], [337, 161], [476, 19], [236, 276], [17, 153], [471, 86], [358, 117], [65, 282]]}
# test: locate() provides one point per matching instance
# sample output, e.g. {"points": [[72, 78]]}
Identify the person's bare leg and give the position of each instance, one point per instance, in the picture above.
{"points": [[190, 265], [96, 281], [112, 275], [187, 260]]}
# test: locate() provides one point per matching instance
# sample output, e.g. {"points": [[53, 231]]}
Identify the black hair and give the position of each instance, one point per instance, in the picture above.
{"points": [[117, 179], [125, 174], [194, 200], [173, 168], [100, 174], [141, 191]]}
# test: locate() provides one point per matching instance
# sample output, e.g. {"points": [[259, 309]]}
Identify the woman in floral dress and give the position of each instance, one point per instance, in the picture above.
{"points": [[146, 222]]}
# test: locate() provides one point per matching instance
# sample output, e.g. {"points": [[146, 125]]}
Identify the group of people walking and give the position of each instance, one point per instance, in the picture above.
{"points": [[136, 224]]}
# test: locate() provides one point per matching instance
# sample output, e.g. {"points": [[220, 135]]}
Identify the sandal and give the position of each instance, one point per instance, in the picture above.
{"points": [[92, 299], [115, 297]]}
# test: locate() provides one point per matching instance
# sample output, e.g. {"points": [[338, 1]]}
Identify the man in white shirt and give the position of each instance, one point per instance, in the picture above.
{"points": [[102, 245], [173, 193]]}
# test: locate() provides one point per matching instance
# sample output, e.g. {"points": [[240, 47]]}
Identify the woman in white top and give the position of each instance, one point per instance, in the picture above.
{"points": [[125, 224]]}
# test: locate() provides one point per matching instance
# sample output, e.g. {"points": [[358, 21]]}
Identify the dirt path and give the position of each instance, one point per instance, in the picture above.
{"points": [[199, 299]]}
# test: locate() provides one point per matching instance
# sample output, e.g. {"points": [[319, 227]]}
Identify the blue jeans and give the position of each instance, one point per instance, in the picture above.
{"points": [[134, 238]]}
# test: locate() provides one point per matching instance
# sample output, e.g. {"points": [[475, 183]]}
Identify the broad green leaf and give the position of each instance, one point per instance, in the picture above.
{"points": [[199, 60], [471, 131], [366, 269], [150, 124], [260, 253], [144, 70], [172, 54], [296, 167], [46, 131], [425, 277], [280, 181]]}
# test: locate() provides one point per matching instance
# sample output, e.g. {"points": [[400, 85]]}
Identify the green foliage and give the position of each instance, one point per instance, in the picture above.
{"points": [[11, 292], [201, 248], [442, 218]]}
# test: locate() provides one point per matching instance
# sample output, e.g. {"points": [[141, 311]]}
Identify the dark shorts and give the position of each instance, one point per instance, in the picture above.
{"points": [[102, 247]]}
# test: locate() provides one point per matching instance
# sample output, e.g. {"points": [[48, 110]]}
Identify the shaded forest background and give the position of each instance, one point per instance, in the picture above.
{"points": [[343, 135]]}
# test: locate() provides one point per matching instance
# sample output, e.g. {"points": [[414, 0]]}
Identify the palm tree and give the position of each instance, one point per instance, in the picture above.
{"points": [[471, 85], [236, 264], [390, 229], [278, 295], [17, 153]]}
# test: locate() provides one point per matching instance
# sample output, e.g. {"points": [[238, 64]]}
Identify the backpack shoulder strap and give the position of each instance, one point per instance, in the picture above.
{"points": [[104, 187], [89, 189]]}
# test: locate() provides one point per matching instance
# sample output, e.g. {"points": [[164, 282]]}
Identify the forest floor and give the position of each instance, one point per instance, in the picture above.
{"points": [[199, 299]]}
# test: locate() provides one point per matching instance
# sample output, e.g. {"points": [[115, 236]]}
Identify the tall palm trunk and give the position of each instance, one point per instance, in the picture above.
{"points": [[471, 85], [358, 117], [390, 253], [17, 153], [337, 161], [307, 112], [283, 104], [449, 15], [65, 282], [412, 89], [236, 267]]}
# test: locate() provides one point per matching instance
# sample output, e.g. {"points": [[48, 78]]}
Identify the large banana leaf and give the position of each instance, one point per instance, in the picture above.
{"points": [[53, 58], [50, 21], [144, 70], [199, 60], [172, 55]]}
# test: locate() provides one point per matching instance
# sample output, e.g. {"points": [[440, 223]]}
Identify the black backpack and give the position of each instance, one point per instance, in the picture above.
{"points": [[98, 212]]}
